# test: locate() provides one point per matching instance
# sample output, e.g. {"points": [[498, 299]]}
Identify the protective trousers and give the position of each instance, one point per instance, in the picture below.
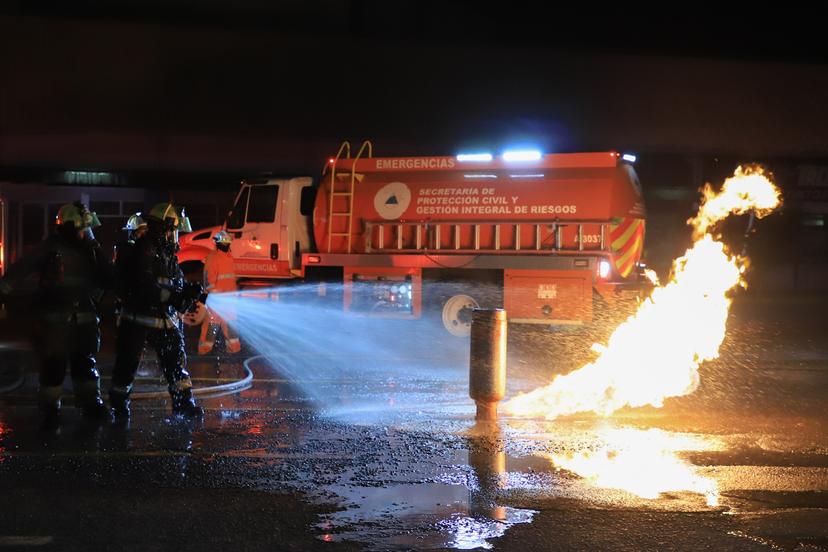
{"points": [[169, 348], [72, 340], [209, 330]]}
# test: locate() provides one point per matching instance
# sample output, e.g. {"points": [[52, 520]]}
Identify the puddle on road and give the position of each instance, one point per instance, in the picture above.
{"points": [[475, 494], [421, 515]]}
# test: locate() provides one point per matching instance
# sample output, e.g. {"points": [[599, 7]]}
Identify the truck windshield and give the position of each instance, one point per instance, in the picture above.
{"points": [[236, 216], [262, 205]]}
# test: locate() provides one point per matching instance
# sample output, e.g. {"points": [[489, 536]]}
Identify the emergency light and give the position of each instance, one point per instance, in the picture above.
{"points": [[467, 157], [521, 155]]}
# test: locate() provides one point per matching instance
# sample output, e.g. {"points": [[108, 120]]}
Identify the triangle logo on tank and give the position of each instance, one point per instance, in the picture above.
{"points": [[392, 200]]}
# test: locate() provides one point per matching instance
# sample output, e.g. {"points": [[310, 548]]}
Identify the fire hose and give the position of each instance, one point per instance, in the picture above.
{"points": [[225, 388]]}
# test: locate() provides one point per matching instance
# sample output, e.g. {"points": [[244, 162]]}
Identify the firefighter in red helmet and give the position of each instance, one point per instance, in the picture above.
{"points": [[69, 274], [154, 293], [219, 277]]}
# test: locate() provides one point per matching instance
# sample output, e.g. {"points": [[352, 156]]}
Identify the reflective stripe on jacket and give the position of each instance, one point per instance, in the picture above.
{"points": [[219, 273]]}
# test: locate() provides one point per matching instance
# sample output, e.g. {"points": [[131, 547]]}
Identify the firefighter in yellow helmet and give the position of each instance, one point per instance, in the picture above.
{"points": [[219, 277], [68, 274], [154, 293]]}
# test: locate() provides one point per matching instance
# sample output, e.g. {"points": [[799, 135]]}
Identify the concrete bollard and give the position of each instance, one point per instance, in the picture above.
{"points": [[487, 362]]}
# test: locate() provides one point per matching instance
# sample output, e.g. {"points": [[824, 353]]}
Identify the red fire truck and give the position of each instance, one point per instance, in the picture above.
{"points": [[545, 236]]}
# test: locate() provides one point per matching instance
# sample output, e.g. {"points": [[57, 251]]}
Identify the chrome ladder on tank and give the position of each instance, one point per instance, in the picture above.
{"points": [[349, 195], [427, 236]]}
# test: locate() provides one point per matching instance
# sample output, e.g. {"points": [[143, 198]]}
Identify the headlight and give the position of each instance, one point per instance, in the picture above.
{"points": [[604, 269]]}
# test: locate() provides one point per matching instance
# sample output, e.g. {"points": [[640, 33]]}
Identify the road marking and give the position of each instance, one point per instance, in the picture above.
{"points": [[19, 540]]}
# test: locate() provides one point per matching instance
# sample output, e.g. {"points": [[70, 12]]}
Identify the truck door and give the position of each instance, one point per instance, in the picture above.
{"points": [[256, 232]]}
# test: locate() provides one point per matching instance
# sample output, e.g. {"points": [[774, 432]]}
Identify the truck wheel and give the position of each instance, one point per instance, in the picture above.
{"points": [[457, 314]]}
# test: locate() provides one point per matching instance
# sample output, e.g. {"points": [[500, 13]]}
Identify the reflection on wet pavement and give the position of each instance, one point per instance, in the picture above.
{"points": [[455, 508], [399, 459], [642, 462]]}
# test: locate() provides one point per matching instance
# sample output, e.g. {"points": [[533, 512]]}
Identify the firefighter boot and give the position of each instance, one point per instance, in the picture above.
{"points": [[88, 399], [119, 400], [48, 399], [184, 404], [231, 339], [207, 340]]}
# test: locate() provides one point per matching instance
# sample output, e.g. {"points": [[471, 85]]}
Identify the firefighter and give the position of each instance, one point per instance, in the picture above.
{"points": [[219, 277], [71, 273], [154, 293], [135, 227]]}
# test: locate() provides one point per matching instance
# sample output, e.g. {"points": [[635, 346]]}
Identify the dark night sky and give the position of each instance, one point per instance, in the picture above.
{"points": [[256, 85]]}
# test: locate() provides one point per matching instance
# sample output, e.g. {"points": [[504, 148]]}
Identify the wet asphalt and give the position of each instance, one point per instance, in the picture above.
{"points": [[394, 460]]}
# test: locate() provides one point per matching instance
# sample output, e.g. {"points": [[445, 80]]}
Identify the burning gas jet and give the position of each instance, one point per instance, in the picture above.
{"points": [[656, 353]]}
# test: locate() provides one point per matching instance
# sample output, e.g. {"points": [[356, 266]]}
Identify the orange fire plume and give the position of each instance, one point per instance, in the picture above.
{"points": [[656, 353]]}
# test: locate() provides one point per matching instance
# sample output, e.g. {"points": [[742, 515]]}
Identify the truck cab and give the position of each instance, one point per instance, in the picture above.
{"points": [[270, 224]]}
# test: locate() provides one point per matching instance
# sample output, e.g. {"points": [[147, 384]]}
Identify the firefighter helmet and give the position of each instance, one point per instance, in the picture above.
{"points": [[172, 218], [134, 222], [222, 238], [78, 215]]}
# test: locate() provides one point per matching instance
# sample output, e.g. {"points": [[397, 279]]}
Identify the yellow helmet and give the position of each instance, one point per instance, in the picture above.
{"points": [[78, 215], [172, 218]]}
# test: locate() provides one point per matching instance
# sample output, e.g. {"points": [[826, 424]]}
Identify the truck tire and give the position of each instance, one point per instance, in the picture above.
{"points": [[450, 295], [456, 314]]}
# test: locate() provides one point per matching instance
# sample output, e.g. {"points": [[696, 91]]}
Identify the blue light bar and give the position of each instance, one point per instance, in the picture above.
{"points": [[465, 157], [629, 158], [522, 155]]}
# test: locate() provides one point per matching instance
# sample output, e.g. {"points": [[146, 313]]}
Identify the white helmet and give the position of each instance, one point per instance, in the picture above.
{"points": [[134, 222], [222, 237]]}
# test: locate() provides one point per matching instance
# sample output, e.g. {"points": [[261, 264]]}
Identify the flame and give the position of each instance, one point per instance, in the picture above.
{"points": [[642, 462], [655, 353], [652, 276], [749, 189]]}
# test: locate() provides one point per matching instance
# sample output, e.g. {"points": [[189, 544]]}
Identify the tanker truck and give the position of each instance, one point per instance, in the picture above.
{"points": [[550, 238]]}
